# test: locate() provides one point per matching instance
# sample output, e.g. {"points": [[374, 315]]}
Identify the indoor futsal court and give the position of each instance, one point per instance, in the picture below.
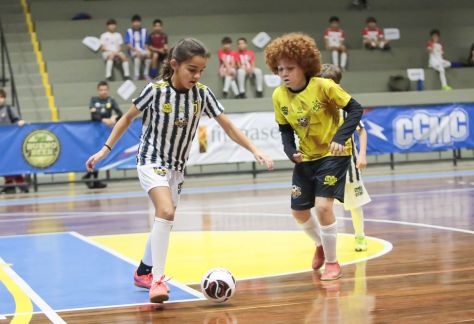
{"points": [[68, 255], [180, 162]]}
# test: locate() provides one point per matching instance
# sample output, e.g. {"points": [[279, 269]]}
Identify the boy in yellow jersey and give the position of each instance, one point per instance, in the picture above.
{"points": [[355, 195], [309, 106]]}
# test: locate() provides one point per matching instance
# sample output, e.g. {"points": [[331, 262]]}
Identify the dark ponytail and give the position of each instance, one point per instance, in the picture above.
{"points": [[182, 51]]}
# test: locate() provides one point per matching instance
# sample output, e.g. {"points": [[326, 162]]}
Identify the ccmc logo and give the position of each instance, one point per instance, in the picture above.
{"points": [[434, 130], [41, 148]]}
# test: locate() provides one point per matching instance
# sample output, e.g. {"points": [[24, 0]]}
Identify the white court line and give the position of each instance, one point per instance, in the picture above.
{"points": [[43, 306], [128, 260]]}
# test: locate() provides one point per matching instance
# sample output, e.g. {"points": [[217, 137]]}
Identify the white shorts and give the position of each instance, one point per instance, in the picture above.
{"points": [[355, 194], [153, 175]]}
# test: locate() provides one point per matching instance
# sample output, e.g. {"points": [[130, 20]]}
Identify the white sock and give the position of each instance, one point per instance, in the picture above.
{"points": [[442, 77], [358, 221], [311, 228], [227, 80], [343, 60], [146, 71], [160, 236], [241, 79], [108, 68], [335, 58], [147, 258], [233, 85], [126, 69], [329, 239], [258, 79], [136, 62]]}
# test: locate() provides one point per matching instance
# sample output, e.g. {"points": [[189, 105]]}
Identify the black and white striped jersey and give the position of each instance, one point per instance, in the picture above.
{"points": [[353, 174], [170, 121]]}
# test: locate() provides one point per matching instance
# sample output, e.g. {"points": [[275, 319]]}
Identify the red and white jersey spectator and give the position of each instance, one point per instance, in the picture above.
{"points": [[246, 68], [373, 36], [436, 60], [334, 41], [334, 37], [227, 66]]}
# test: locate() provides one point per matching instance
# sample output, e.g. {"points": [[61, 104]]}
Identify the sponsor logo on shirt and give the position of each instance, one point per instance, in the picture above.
{"points": [[303, 121], [166, 108], [181, 122]]}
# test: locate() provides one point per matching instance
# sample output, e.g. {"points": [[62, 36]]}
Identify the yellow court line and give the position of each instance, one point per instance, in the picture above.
{"points": [[39, 58], [23, 304]]}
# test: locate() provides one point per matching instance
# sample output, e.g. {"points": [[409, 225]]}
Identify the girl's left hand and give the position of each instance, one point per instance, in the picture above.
{"points": [[336, 148], [263, 158]]}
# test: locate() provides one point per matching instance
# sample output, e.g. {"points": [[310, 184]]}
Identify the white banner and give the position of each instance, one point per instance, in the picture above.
{"points": [[214, 146]]}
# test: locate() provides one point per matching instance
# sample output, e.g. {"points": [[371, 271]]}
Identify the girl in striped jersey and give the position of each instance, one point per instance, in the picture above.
{"points": [[355, 194], [171, 110]]}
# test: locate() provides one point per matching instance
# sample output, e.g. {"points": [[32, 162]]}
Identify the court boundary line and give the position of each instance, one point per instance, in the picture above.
{"points": [[179, 285], [34, 297]]}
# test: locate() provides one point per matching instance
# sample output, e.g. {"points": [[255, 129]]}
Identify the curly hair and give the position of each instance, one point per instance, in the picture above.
{"points": [[294, 46]]}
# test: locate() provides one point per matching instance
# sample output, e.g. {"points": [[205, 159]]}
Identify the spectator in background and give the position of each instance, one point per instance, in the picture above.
{"points": [[111, 48], [135, 38], [334, 41], [10, 116], [361, 4], [436, 60], [246, 67], [373, 37], [102, 108], [157, 45], [227, 66]]}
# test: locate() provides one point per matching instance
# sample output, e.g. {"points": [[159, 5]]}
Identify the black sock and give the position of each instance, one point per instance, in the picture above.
{"points": [[143, 269]]}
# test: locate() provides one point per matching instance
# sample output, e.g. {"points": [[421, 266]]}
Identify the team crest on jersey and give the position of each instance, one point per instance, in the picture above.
{"points": [[180, 187], [295, 192], [303, 121], [284, 110], [108, 105], [358, 191], [181, 122], [160, 171], [166, 108], [196, 107], [330, 180], [316, 106]]}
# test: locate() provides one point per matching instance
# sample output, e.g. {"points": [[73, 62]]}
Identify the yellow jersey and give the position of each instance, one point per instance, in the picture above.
{"points": [[314, 115]]}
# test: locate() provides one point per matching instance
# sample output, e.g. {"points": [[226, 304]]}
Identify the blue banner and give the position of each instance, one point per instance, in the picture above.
{"points": [[65, 147], [419, 128], [61, 147]]}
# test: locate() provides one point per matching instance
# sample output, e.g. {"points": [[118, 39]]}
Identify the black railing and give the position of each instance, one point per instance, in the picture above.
{"points": [[7, 70]]}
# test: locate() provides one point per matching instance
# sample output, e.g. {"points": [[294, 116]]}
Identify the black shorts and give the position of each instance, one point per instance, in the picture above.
{"points": [[325, 177]]}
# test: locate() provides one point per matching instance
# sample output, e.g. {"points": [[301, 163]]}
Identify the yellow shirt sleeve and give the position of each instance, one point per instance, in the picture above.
{"points": [[336, 94], [279, 117]]}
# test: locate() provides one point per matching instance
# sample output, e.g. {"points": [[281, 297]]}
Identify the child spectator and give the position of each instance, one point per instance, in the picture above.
{"points": [[135, 38], [102, 108], [373, 37], [227, 66], [111, 47], [246, 67], [436, 60], [334, 41], [157, 45], [10, 116]]}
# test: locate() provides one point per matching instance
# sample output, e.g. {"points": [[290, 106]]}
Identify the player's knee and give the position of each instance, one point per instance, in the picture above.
{"points": [[166, 213], [323, 210]]}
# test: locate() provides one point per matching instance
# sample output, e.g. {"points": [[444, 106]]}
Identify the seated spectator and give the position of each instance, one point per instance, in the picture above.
{"points": [[373, 37], [334, 41], [111, 48], [10, 116], [157, 45], [102, 108], [246, 67], [436, 60], [470, 59], [135, 38], [227, 66]]}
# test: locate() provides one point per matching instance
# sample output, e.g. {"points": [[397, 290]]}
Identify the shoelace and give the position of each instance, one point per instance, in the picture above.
{"points": [[163, 279]]}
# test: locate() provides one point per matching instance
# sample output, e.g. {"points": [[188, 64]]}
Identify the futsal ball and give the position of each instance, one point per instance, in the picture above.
{"points": [[218, 285]]}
